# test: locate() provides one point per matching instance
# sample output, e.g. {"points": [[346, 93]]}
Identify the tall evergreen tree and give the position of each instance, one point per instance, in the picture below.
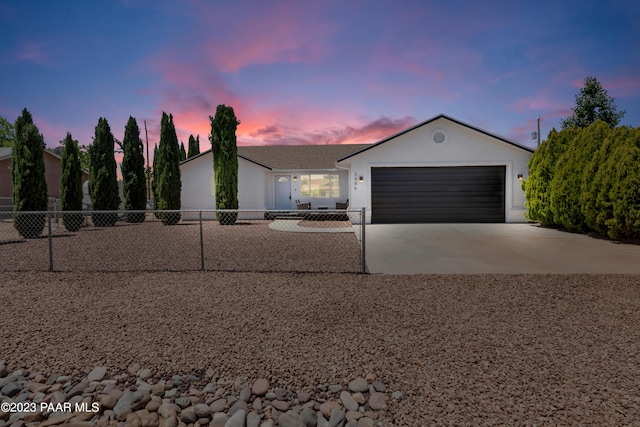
{"points": [[194, 146], [167, 171], [7, 133], [183, 153], [225, 162], [71, 184], [28, 176], [133, 178], [593, 103], [103, 184]]}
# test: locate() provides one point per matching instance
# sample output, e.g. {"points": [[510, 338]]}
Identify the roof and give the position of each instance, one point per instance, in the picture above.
{"points": [[8, 152], [294, 157], [5, 152], [440, 116]]}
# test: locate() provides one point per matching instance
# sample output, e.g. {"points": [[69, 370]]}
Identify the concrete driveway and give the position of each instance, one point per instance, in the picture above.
{"points": [[492, 248]]}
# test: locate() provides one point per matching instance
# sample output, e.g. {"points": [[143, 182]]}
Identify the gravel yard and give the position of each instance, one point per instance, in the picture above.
{"points": [[250, 245], [462, 349]]}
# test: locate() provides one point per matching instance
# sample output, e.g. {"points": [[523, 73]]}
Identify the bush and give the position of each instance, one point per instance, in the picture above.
{"points": [[167, 184], [225, 162], [133, 179], [103, 184], [566, 185], [71, 184], [598, 207], [542, 168], [625, 193], [28, 176]]}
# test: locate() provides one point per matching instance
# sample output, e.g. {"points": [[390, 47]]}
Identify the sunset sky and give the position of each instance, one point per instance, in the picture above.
{"points": [[312, 72]]}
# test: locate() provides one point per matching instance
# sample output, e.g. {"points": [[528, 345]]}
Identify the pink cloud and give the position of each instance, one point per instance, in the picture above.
{"points": [[369, 132], [36, 53]]}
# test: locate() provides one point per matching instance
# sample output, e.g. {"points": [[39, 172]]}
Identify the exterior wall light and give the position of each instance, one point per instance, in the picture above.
{"points": [[361, 179], [295, 178], [520, 176]]}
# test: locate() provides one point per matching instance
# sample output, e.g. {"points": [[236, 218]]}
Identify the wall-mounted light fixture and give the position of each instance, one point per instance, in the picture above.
{"points": [[361, 179], [520, 176], [295, 178]]}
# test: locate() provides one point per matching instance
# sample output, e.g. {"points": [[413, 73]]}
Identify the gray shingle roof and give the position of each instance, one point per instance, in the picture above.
{"points": [[295, 157]]}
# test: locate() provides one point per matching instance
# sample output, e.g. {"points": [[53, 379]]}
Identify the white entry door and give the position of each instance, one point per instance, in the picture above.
{"points": [[283, 192]]}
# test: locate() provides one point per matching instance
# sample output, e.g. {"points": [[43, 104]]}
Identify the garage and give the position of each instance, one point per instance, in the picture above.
{"points": [[463, 194]]}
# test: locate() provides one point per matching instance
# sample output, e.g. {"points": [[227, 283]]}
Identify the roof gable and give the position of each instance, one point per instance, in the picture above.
{"points": [[433, 119]]}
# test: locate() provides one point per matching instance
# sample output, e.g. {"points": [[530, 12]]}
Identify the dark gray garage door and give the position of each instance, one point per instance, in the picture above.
{"points": [[437, 194]]}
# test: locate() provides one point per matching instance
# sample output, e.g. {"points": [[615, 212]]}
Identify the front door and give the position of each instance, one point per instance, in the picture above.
{"points": [[283, 192]]}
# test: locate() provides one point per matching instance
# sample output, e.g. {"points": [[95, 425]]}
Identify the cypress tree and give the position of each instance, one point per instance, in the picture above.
{"points": [[154, 180], [225, 161], [28, 176], [168, 185], [103, 184], [183, 153], [133, 178], [71, 184], [194, 146]]}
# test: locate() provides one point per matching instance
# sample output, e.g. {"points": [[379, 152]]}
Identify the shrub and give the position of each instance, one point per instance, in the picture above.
{"points": [[566, 185], [28, 176], [103, 184], [71, 184], [225, 162], [167, 184], [598, 207], [133, 179], [542, 168]]}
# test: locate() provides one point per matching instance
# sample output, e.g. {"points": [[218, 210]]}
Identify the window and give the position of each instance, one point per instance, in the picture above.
{"points": [[320, 186]]}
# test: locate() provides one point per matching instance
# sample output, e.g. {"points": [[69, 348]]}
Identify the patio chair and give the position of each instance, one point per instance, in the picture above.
{"points": [[303, 206], [340, 205]]}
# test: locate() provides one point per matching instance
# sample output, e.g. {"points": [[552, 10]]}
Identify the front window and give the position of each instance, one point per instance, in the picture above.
{"points": [[320, 186]]}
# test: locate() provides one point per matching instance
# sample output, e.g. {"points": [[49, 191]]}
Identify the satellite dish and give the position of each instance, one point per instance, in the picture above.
{"points": [[534, 135]]}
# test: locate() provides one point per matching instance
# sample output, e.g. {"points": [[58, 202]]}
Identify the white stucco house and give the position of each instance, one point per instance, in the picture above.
{"points": [[440, 170]]}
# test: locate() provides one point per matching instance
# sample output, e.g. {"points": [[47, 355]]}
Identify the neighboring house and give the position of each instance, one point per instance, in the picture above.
{"points": [[52, 168], [441, 170]]}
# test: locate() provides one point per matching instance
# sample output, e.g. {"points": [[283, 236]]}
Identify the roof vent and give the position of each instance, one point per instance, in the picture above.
{"points": [[438, 137]]}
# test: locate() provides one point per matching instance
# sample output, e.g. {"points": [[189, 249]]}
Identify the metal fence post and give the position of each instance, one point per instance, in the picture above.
{"points": [[50, 242], [363, 267], [201, 244]]}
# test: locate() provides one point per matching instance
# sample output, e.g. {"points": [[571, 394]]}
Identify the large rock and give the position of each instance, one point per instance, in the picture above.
{"points": [[327, 407], [201, 410], [377, 401], [97, 374], [337, 416], [11, 389], [348, 401], [219, 420], [280, 405], [288, 420], [260, 387], [219, 405], [359, 385], [237, 419], [308, 417], [253, 419]]}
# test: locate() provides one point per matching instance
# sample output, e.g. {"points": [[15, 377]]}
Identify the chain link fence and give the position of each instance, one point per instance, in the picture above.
{"points": [[238, 240]]}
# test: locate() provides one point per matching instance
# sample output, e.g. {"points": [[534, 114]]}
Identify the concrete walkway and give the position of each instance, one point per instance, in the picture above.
{"points": [[294, 226], [492, 248]]}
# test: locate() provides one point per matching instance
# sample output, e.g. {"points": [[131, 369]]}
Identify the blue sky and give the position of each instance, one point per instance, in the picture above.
{"points": [[312, 72]]}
